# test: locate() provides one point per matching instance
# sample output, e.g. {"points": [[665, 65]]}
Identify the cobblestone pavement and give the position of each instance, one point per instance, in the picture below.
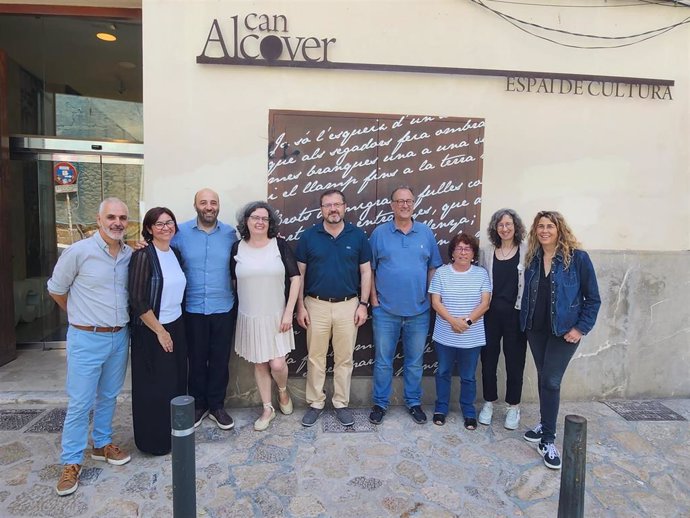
{"points": [[398, 468]]}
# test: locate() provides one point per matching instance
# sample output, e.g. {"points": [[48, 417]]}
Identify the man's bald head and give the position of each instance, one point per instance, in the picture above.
{"points": [[207, 205]]}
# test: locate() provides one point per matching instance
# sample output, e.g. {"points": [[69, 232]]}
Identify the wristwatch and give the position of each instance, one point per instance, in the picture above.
{"points": [[469, 322], [366, 304]]}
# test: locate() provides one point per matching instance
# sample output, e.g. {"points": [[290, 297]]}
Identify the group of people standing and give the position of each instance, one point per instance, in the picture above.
{"points": [[189, 289], [174, 295], [537, 286]]}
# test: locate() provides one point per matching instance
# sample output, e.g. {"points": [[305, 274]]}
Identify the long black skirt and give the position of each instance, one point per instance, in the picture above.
{"points": [[157, 377]]}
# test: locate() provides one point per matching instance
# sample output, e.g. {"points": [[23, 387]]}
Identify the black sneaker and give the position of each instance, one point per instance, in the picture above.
{"points": [[222, 419], [377, 413], [311, 416], [199, 414], [552, 459], [417, 414], [535, 434], [345, 416]]}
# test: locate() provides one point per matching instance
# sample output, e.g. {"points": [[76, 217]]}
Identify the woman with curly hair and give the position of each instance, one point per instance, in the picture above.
{"points": [[560, 304], [504, 259], [267, 279]]}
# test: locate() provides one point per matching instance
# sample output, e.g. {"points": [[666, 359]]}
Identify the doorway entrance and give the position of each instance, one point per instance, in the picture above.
{"points": [[57, 185]]}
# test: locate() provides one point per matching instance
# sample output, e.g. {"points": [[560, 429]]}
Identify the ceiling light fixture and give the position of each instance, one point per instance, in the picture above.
{"points": [[106, 36]]}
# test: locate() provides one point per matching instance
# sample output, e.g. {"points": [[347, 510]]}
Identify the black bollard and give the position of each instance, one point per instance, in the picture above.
{"points": [[183, 460], [571, 502]]}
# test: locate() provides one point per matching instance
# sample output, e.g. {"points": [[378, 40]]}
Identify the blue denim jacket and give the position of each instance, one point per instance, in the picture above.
{"points": [[575, 298]]}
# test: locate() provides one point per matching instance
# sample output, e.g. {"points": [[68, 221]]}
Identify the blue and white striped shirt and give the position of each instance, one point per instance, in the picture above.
{"points": [[460, 293]]}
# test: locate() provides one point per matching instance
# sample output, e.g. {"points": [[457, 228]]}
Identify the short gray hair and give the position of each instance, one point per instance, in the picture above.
{"points": [[400, 188], [111, 199]]}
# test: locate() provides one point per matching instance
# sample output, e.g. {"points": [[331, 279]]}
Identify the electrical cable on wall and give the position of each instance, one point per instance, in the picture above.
{"points": [[519, 24], [639, 3], [586, 6]]}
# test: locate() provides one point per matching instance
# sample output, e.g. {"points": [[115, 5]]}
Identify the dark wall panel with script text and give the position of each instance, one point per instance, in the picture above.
{"points": [[367, 156]]}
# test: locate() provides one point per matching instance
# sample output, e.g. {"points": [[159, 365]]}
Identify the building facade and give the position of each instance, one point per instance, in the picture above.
{"points": [[584, 110]]}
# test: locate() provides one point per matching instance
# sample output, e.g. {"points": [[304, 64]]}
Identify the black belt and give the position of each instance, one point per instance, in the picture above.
{"points": [[332, 299]]}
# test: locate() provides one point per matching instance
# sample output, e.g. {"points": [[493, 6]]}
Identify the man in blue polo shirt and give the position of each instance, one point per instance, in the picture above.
{"points": [[405, 256], [204, 244], [334, 259]]}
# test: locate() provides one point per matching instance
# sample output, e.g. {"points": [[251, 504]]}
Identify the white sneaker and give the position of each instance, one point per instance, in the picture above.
{"points": [[512, 417], [487, 413]]}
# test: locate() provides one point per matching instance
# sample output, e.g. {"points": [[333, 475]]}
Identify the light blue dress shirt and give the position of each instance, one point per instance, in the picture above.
{"points": [[206, 264], [96, 283]]}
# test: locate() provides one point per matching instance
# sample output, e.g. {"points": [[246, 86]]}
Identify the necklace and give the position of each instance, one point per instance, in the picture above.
{"points": [[505, 256]]}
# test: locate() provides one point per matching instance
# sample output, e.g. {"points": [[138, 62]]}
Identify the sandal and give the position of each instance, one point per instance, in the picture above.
{"points": [[262, 422], [470, 423], [439, 419], [286, 408]]}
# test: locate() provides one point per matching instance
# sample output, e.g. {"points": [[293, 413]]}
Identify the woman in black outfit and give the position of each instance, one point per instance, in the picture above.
{"points": [[159, 349], [504, 259]]}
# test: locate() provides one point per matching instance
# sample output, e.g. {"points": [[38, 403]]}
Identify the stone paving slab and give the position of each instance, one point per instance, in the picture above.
{"points": [[400, 469]]}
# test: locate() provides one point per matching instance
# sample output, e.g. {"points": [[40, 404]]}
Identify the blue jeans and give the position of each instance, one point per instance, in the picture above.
{"points": [[96, 367], [467, 360], [387, 328]]}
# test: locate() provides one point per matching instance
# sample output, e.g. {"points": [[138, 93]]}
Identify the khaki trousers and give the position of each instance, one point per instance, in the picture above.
{"points": [[336, 321]]}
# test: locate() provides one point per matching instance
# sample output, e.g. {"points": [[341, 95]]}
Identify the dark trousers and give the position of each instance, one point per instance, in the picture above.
{"points": [[209, 341], [157, 377], [503, 323], [551, 357]]}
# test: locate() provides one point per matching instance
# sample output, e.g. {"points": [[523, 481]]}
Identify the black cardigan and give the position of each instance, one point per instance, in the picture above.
{"points": [[146, 283]]}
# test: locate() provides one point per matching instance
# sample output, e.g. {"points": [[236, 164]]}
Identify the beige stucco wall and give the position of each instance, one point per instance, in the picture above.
{"points": [[616, 167]]}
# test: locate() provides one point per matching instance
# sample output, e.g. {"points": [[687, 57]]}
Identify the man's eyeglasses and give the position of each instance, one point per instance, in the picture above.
{"points": [[332, 205], [263, 219], [160, 224], [401, 203]]}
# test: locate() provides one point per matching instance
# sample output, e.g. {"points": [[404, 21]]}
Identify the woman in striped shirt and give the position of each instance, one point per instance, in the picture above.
{"points": [[460, 295]]}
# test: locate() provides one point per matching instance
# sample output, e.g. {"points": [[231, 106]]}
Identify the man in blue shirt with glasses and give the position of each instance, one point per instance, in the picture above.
{"points": [[405, 256]]}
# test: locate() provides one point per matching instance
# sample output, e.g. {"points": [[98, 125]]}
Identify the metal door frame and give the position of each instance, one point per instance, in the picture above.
{"points": [[52, 149]]}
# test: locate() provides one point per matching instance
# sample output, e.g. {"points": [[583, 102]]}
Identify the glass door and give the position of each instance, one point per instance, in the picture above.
{"points": [[57, 195]]}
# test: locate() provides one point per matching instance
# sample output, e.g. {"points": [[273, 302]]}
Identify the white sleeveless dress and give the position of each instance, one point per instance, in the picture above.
{"points": [[261, 293]]}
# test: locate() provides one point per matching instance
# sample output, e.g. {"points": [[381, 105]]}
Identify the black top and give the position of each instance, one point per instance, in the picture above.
{"points": [[505, 282], [542, 306]]}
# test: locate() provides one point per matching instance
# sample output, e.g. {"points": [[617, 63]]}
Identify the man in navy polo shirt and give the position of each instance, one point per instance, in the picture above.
{"points": [[405, 256], [334, 259]]}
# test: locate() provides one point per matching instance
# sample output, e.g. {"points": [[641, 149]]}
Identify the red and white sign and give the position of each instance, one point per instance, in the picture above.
{"points": [[65, 175]]}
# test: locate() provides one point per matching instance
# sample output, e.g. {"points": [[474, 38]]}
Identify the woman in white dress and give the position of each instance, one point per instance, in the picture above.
{"points": [[267, 280]]}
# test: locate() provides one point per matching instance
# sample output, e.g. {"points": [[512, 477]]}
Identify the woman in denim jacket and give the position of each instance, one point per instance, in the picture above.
{"points": [[560, 303]]}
